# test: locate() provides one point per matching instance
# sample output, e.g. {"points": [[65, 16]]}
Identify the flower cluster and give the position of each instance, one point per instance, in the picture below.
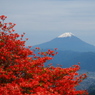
{"points": [[24, 75]]}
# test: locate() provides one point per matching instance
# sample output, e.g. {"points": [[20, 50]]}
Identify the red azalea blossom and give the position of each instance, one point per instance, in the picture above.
{"points": [[24, 75], [3, 17]]}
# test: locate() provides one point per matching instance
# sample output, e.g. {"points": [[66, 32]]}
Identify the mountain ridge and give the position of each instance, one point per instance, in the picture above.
{"points": [[67, 42]]}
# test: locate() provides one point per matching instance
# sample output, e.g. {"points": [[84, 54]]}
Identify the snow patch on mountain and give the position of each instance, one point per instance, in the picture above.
{"points": [[65, 35]]}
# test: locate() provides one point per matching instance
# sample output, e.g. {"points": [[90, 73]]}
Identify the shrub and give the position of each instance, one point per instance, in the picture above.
{"points": [[24, 75]]}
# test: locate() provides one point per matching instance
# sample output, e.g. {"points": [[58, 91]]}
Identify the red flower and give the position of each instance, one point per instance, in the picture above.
{"points": [[2, 17], [24, 75]]}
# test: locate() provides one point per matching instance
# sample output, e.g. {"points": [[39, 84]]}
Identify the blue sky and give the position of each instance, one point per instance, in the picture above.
{"points": [[43, 20]]}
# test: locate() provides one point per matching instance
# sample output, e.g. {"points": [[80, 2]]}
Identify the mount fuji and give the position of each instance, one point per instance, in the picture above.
{"points": [[71, 50], [67, 41]]}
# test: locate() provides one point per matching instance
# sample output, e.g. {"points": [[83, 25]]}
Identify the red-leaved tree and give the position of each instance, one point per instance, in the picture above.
{"points": [[24, 75]]}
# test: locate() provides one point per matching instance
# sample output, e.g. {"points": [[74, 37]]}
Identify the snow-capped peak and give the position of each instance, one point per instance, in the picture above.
{"points": [[65, 35]]}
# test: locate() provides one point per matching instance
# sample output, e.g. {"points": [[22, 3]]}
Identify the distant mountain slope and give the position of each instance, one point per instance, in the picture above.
{"points": [[67, 41], [69, 58]]}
